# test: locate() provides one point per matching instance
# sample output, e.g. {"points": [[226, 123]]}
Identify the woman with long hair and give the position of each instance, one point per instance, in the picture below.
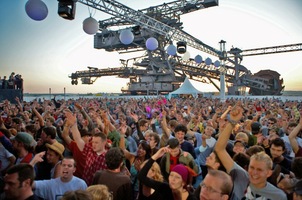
{"points": [[179, 181], [148, 193], [134, 159]]}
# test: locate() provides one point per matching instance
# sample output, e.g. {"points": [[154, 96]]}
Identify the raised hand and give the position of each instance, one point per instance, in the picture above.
{"points": [[134, 116], [38, 158], [78, 106], [71, 118], [161, 152], [236, 112]]}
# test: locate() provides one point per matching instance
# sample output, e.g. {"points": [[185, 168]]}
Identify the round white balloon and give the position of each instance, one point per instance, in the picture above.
{"points": [[217, 63], [171, 50], [151, 44], [186, 56], [90, 26], [198, 59], [36, 9], [208, 61], [126, 36]]}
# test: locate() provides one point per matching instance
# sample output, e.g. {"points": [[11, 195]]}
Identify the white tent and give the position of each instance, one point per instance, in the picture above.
{"points": [[185, 88]]}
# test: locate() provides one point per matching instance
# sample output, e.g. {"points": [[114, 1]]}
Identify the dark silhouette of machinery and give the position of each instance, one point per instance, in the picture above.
{"points": [[157, 72]]}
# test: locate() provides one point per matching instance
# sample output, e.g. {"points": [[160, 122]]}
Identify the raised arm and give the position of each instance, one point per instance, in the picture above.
{"points": [[292, 136], [39, 116], [164, 124], [19, 104], [220, 147], [66, 131], [72, 120], [85, 115]]}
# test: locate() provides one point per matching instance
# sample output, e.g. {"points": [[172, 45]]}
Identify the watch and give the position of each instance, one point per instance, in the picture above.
{"points": [[233, 122]]}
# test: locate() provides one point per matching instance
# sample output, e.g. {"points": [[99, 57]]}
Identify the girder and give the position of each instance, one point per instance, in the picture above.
{"points": [[272, 50], [139, 18], [167, 13]]}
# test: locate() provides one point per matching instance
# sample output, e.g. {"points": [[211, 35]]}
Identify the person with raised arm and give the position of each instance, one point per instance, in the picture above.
{"points": [[293, 139], [179, 179], [253, 184], [94, 151]]}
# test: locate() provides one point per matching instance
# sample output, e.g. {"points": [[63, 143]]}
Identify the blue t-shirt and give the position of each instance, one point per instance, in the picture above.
{"points": [[54, 189]]}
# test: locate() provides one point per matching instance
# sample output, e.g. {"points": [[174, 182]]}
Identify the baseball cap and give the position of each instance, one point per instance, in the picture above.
{"points": [[241, 142], [298, 188], [185, 107], [24, 138], [57, 147]]}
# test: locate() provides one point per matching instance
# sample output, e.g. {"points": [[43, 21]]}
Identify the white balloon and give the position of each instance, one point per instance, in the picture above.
{"points": [[171, 50], [151, 44], [90, 26], [208, 61], [186, 56], [198, 59], [217, 63], [126, 36], [36, 9]]}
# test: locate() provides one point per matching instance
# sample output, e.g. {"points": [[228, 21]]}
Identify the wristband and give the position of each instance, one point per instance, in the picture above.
{"points": [[231, 121]]}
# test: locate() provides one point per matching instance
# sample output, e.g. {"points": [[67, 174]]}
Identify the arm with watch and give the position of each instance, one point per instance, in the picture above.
{"points": [[220, 147]]}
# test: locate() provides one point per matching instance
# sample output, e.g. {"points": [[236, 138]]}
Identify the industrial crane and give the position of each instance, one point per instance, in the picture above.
{"points": [[157, 72]]}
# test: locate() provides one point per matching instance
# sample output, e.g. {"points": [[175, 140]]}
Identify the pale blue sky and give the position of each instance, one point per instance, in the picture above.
{"points": [[46, 52]]}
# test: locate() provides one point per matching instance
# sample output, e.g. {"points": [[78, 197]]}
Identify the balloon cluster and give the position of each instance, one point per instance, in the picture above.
{"points": [[172, 51]]}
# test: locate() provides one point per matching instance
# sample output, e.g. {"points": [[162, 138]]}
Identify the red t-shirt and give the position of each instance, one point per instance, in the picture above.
{"points": [[173, 161]]}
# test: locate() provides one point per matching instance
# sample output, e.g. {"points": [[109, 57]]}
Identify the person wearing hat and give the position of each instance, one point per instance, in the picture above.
{"points": [[54, 155], [298, 191], [179, 180], [239, 146], [23, 144]]}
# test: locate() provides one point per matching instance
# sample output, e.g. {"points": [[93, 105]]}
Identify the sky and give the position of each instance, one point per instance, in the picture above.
{"points": [[46, 52]]}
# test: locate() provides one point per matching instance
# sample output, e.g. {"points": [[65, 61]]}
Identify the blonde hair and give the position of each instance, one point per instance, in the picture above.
{"points": [[148, 132], [156, 169], [263, 157], [99, 192]]}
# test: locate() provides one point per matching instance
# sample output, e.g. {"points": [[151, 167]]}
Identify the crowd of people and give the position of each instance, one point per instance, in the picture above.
{"points": [[14, 81], [151, 148]]}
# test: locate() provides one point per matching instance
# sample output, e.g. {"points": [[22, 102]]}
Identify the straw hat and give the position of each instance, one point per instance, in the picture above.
{"points": [[57, 147]]}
